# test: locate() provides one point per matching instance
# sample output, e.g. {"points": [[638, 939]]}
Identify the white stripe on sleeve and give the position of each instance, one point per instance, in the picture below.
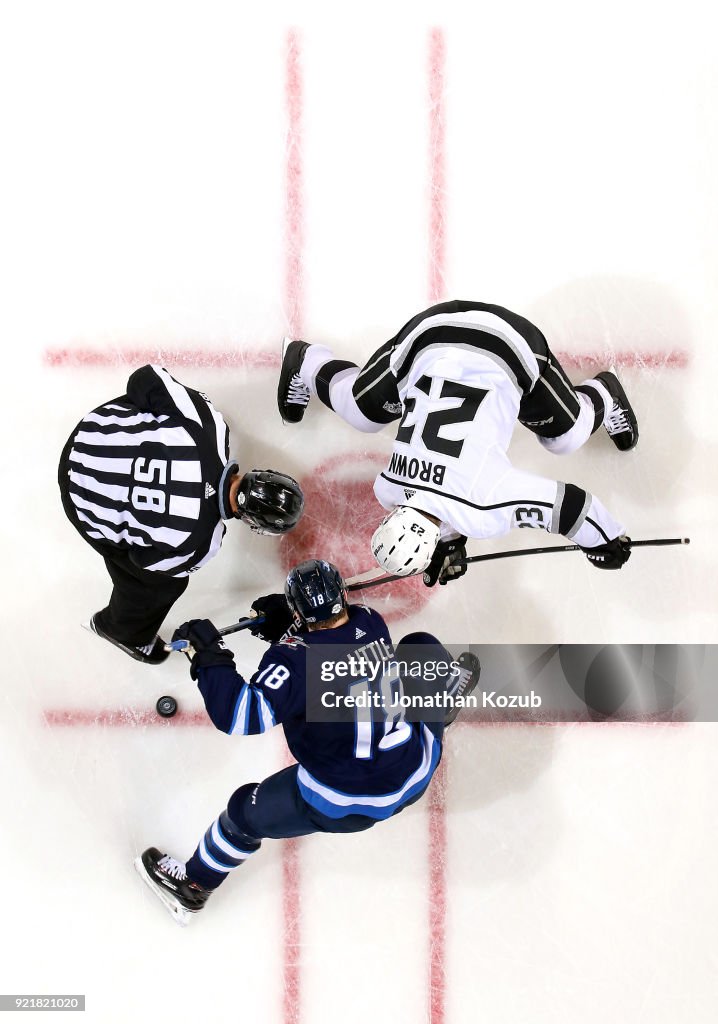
{"points": [[124, 421], [222, 432], [214, 545], [171, 436], [107, 533], [114, 492], [179, 395], [265, 712], [170, 563], [159, 534], [100, 464]]}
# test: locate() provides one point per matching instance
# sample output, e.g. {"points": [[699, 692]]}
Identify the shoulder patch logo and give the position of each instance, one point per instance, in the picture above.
{"points": [[209, 490], [292, 641]]}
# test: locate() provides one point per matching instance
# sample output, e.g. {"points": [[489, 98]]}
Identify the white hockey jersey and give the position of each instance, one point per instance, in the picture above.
{"points": [[449, 458]]}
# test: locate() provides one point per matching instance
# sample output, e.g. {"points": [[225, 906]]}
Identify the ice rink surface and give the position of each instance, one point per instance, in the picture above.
{"points": [[186, 183]]}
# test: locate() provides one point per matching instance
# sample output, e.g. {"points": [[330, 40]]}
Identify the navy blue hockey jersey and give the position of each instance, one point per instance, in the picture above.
{"points": [[369, 768]]}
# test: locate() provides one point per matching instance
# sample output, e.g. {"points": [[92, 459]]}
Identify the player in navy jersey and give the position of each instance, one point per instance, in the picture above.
{"points": [[147, 481], [459, 376], [350, 773]]}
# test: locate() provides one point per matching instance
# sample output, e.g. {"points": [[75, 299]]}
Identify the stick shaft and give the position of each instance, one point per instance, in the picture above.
{"points": [[518, 552], [250, 620], [363, 582]]}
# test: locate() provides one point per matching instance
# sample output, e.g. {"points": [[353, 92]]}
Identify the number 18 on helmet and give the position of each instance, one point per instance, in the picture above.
{"points": [[315, 591]]}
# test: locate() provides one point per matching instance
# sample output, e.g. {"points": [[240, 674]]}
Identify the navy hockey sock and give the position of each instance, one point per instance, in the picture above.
{"points": [[221, 849]]}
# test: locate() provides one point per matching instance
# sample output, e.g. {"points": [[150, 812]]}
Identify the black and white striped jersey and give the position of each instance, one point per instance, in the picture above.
{"points": [[144, 473]]}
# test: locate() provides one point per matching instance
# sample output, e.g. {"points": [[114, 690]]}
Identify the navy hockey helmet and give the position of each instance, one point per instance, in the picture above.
{"points": [[269, 502], [315, 591]]}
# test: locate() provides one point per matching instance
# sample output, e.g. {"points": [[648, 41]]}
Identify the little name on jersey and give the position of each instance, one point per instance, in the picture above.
{"points": [[414, 469]]}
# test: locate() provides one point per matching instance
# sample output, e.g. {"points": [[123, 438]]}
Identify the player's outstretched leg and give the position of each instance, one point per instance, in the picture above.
{"points": [[309, 369], [465, 683], [292, 393], [153, 653], [620, 421], [168, 880]]}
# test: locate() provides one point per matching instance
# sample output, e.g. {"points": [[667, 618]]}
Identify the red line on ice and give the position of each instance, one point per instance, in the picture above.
{"points": [[437, 896], [82, 356], [128, 718], [293, 301], [262, 359], [437, 163], [292, 948], [294, 224], [437, 790]]}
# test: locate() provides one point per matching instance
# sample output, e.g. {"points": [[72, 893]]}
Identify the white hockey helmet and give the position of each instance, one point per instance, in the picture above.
{"points": [[404, 541]]}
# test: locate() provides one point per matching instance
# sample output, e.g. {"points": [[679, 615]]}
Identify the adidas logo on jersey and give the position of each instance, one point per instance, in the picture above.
{"points": [[408, 494], [209, 490], [359, 633]]}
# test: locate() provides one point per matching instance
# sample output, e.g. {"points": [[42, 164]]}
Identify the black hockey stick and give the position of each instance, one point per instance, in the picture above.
{"points": [[515, 553], [250, 620], [361, 582]]}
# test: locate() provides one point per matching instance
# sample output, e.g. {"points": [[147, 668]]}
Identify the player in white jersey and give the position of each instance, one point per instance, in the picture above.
{"points": [[460, 375]]}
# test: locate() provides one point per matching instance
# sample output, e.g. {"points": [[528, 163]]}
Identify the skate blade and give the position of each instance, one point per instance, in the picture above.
{"points": [[178, 913]]}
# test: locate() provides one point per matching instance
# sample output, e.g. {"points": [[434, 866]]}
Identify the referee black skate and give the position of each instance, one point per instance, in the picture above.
{"points": [[147, 481], [459, 376]]}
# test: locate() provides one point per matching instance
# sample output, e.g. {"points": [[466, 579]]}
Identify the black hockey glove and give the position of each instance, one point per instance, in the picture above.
{"points": [[207, 644], [612, 555], [277, 618], [447, 563]]}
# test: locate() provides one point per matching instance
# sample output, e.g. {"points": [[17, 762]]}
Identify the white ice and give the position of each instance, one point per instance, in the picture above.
{"points": [[143, 195]]}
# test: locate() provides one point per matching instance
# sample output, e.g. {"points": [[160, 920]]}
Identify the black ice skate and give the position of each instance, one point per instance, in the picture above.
{"points": [[292, 393], [621, 423], [153, 653], [167, 879], [464, 684]]}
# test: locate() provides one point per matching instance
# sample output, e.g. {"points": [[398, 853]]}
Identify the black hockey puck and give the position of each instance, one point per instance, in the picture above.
{"points": [[166, 707]]}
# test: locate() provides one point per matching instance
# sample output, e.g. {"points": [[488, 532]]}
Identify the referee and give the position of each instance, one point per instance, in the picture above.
{"points": [[146, 479]]}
